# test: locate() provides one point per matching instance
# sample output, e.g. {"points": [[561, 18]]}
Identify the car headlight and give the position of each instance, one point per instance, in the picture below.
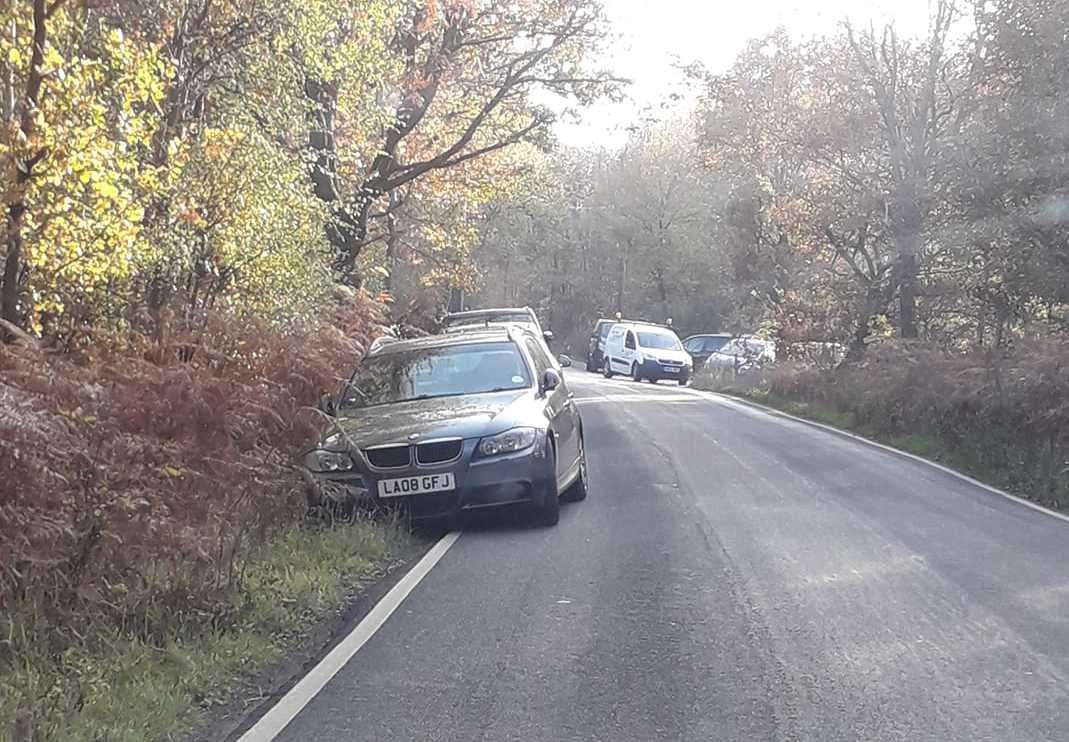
{"points": [[322, 461], [516, 439], [329, 457]]}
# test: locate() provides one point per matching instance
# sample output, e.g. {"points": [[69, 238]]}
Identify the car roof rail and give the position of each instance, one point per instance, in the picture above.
{"points": [[381, 341]]}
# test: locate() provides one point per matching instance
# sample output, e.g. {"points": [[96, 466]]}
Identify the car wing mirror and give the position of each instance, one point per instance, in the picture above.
{"points": [[550, 380], [326, 405], [548, 336], [565, 361]]}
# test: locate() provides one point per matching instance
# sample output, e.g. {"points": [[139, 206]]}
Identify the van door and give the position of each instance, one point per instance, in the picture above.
{"points": [[628, 354], [614, 346]]}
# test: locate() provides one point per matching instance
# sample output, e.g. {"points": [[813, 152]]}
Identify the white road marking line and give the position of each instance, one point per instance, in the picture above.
{"points": [[282, 713], [752, 406], [639, 398]]}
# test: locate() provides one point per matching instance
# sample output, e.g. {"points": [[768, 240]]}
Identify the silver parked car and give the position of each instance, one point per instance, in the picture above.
{"points": [[476, 318], [743, 353]]}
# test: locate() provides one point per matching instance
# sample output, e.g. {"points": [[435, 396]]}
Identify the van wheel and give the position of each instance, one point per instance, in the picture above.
{"points": [[636, 375], [607, 369]]}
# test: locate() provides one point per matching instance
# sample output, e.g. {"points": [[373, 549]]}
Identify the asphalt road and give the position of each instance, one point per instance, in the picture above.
{"points": [[732, 576]]}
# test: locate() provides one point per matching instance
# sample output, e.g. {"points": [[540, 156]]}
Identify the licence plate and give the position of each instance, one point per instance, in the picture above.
{"points": [[416, 485], [672, 369]]}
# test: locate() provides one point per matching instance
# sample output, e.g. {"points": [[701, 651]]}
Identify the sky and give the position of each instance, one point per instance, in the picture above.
{"points": [[651, 38]]}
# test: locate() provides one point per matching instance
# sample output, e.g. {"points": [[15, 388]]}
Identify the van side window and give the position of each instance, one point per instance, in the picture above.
{"points": [[629, 342]]}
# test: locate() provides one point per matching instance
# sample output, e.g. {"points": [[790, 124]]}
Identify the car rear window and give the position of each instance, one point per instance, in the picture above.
{"points": [[470, 368]]}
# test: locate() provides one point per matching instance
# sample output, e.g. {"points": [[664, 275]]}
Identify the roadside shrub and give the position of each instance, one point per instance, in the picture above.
{"points": [[1004, 417], [135, 476]]}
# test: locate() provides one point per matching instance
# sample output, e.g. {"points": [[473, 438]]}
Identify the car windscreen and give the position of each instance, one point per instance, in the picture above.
{"points": [[658, 341], [494, 317], [603, 329], [470, 368]]}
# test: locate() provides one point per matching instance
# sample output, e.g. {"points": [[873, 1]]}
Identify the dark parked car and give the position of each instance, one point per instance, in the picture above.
{"points": [[701, 347], [595, 357], [454, 422]]}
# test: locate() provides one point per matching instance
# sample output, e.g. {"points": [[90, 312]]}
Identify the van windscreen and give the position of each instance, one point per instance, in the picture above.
{"points": [[658, 340]]}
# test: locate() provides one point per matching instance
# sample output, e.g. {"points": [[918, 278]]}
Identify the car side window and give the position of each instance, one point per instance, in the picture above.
{"points": [[541, 363], [629, 342]]}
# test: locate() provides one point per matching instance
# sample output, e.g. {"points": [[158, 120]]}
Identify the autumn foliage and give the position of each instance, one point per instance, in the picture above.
{"points": [[1001, 416], [131, 478]]}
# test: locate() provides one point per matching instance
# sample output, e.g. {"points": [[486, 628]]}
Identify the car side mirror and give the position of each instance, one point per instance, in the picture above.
{"points": [[548, 336], [565, 361], [550, 380], [326, 405]]}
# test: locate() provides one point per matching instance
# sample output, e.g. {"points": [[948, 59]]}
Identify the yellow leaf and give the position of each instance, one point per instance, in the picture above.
{"points": [[172, 472]]}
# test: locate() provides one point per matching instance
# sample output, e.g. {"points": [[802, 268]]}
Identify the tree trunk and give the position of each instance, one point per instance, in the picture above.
{"points": [[346, 232], [393, 236], [907, 295], [622, 278], [9, 293]]}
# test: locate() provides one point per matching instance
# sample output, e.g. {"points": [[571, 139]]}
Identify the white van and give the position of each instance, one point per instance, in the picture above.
{"points": [[646, 351]]}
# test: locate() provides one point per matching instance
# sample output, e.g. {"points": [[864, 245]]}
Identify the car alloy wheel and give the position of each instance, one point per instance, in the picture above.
{"points": [[549, 507], [577, 491]]}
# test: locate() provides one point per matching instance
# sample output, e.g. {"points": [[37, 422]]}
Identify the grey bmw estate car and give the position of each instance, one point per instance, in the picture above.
{"points": [[451, 423]]}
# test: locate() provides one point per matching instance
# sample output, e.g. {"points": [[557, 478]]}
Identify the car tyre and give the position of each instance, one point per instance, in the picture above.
{"points": [[577, 491], [549, 510], [636, 375], [606, 370], [683, 382]]}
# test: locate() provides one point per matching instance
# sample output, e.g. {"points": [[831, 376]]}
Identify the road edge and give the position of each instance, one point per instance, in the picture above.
{"points": [[272, 716], [883, 446]]}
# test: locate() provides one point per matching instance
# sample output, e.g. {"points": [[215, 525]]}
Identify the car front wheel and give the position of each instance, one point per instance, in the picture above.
{"points": [[607, 369], [636, 374], [577, 491], [549, 508]]}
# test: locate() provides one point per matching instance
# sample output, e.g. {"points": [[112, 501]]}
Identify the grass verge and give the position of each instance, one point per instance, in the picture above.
{"points": [[1013, 468], [107, 687]]}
